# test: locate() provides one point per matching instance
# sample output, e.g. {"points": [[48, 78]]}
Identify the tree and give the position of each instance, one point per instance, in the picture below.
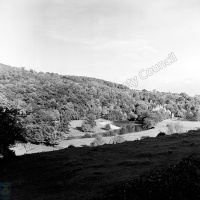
{"points": [[11, 130], [122, 130], [64, 123], [107, 127], [48, 101], [91, 120], [115, 115], [132, 116], [180, 114], [196, 116], [86, 127], [189, 115]]}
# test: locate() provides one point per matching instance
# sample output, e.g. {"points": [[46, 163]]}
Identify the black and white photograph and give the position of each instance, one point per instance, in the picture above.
{"points": [[99, 99]]}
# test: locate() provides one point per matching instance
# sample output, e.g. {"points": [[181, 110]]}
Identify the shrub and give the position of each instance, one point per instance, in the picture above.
{"points": [[94, 135], [161, 134], [189, 116], [116, 131], [71, 146], [107, 127], [170, 128], [109, 133], [105, 134], [87, 135], [98, 141], [99, 137], [113, 133], [178, 127], [116, 139], [86, 128], [122, 130], [174, 128], [148, 123], [71, 137]]}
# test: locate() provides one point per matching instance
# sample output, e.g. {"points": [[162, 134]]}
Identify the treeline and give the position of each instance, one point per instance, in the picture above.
{"points": [[48, 101]]}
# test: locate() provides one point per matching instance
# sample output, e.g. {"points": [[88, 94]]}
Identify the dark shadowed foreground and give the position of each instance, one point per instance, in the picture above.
{"points": [[166, 167]]}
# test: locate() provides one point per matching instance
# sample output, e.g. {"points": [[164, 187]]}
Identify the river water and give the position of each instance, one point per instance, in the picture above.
{"points": [[131, 126]]}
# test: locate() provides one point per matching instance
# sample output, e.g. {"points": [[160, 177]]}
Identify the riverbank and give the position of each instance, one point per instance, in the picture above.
{"points": [[160, 127]]}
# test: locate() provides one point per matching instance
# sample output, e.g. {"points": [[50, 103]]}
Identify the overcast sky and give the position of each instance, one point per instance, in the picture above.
{"points": [[108, 39]]}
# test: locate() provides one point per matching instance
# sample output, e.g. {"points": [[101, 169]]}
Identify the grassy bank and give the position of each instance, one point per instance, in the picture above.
{"points": [[91, 173]]}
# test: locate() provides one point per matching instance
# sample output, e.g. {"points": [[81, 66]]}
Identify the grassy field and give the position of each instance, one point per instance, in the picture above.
{"points": [[110, 171]]}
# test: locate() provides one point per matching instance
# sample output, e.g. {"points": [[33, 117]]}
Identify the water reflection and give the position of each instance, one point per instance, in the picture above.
{"points": [[130, 126]]}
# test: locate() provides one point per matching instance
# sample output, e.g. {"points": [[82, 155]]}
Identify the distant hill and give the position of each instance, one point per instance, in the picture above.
{"points": [[48, 101]]}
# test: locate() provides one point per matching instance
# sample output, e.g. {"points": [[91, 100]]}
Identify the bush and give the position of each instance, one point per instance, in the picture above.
{"points": [[107, 127], [105, 134], [112, 133], [161, 134], [148, 123], [71, 146], [116, 139], [174, 128], [94, 135], [71, 137], [170, 128], [109, 133], [86, 128], [122, 130], [87, 135], [98, 141], [178, 127]]}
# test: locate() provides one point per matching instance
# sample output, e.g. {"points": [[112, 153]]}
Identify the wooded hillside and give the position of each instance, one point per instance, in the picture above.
{"points": [[48, 101]]}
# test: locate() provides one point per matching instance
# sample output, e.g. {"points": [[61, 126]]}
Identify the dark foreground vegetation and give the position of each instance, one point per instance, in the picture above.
{"points": [[165, 167]]}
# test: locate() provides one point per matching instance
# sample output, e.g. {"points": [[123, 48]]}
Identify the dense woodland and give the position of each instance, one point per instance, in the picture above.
{"points": [[46, 102]]}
